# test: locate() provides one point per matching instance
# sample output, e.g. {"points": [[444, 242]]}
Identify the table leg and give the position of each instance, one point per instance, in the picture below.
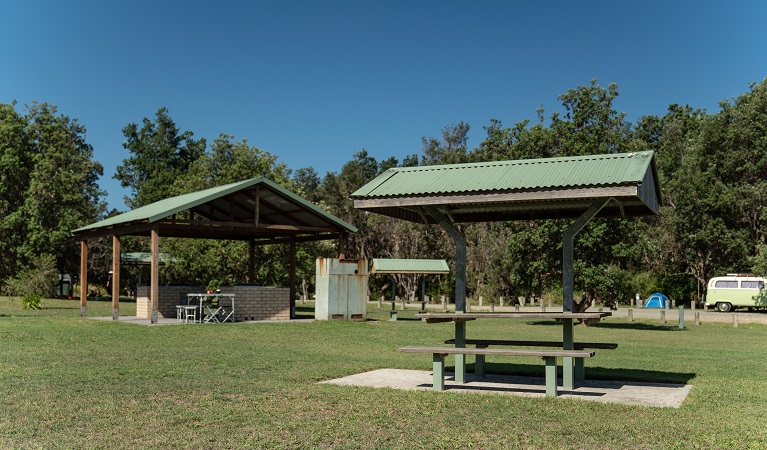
{"points": [[479, 363], [568, 375], [460, 360], [438, 367], [551, 376]]}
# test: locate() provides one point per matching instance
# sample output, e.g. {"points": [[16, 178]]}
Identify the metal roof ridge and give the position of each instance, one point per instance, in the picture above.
{"points": [[519, 161]]}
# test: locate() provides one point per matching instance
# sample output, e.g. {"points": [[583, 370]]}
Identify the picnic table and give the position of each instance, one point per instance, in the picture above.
{"points": [[568, 343], [216, 307]]}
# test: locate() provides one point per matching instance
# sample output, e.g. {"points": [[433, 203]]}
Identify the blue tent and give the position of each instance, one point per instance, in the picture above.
{"points": [[657, 300]]}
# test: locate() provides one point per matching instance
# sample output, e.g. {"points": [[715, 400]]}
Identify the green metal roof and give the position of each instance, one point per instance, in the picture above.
{"points": [[517, 190], [593, 170], [231, 203], [414, 266], [141, 258]]}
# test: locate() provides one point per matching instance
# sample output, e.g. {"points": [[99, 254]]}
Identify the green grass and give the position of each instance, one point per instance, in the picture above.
{"points": [[78, 383]]}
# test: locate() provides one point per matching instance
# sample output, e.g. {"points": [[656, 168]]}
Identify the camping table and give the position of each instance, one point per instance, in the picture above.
{"points": [[460, 319], [209, 313]]}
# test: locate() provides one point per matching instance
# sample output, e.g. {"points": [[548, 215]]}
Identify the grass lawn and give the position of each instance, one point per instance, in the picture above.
{"points": [[78, 383]]}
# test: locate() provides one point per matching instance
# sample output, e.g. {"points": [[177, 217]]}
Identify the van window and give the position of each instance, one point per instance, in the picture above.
{"points": [[726, 284], [752, 284]]}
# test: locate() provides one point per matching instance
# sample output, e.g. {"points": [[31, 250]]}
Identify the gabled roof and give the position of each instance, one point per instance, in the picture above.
{"points": [[522, 189], [413, 266], [255, 208]]}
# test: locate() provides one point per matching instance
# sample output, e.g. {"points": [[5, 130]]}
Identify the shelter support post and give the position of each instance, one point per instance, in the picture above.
{"points": [[154, 290], [292, 278], [251, 261], [115, 277], [83, 276], [460, 286], [568, 275], [341, 245]]}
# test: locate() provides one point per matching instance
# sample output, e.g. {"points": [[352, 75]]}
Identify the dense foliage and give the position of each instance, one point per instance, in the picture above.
{"points": [[710, 167]]}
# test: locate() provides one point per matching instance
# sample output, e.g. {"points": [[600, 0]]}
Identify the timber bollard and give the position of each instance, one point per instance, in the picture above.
{"points": [[516, 308], [444, 304], [735, 320], [681, 317], [697, 318], [481, 300], [631, 315], [662, 316], [380, 301], [492, 307], [501, 301]]}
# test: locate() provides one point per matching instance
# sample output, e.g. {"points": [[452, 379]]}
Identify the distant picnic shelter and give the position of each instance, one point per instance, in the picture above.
{"points": [[394, 266]]}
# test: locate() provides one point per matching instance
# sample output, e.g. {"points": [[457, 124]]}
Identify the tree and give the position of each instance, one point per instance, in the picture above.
{"points": [[49, 186], [160, 154]]}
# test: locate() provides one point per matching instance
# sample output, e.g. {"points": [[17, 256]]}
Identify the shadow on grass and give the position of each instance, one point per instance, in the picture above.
{"points": [[620, 326], [592, 373]]}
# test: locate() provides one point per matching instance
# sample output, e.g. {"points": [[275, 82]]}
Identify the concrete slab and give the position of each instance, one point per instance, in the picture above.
{"points": [[625, 392], [163, 321]]}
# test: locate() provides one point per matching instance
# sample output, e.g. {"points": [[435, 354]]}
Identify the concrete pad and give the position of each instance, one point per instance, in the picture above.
{"points": [[625, 392], [171, 321]]}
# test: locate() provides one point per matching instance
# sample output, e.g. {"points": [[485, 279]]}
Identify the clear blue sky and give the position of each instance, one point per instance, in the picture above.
{"points": [[316, 81]]}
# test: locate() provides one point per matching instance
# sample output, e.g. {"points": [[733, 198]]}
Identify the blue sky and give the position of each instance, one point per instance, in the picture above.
{"points": [[316, 81]]}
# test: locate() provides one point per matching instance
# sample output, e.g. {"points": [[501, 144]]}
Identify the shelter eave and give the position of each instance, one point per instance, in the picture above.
{"points": [[626, 200]]}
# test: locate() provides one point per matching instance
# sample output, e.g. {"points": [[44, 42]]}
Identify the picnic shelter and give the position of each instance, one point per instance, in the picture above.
{"points": [[257, 210]]}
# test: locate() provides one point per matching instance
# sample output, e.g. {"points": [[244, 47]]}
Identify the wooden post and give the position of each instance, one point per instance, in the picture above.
{"points": [[83, 277], [735, 320], [460, 286], [697, 318], [662, 316], [568, 274], [501, 301], [251, 261], [380, 300], [292, 278], [492, 307], [341, 245], [681, 317], [481, 300], [154, 290], [631, 315], [115, 278]]}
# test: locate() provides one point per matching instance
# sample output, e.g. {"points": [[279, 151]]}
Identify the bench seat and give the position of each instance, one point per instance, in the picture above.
{"points": [[550, 356], [580, 370]]}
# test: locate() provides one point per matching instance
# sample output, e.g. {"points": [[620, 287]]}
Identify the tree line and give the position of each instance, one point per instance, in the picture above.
{"points": [[711, 170]]}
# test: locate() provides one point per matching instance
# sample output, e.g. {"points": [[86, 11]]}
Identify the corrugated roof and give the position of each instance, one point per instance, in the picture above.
{"points": [[228, 203], [581, 171], [414, 266], [534, 189]]}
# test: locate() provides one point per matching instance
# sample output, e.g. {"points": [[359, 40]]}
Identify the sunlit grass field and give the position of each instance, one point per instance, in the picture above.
{"points": [[79, 383]]}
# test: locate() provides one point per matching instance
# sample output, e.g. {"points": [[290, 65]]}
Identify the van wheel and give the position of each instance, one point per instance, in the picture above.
{"points": [[723, 307]]}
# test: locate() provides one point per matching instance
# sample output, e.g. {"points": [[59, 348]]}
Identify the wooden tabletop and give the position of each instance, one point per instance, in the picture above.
{"points": [[457, 317]]}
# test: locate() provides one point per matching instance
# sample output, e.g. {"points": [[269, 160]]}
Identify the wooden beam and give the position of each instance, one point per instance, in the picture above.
{"points": [[83, 277], [510, 197], [115, 277], [154, 290]]}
